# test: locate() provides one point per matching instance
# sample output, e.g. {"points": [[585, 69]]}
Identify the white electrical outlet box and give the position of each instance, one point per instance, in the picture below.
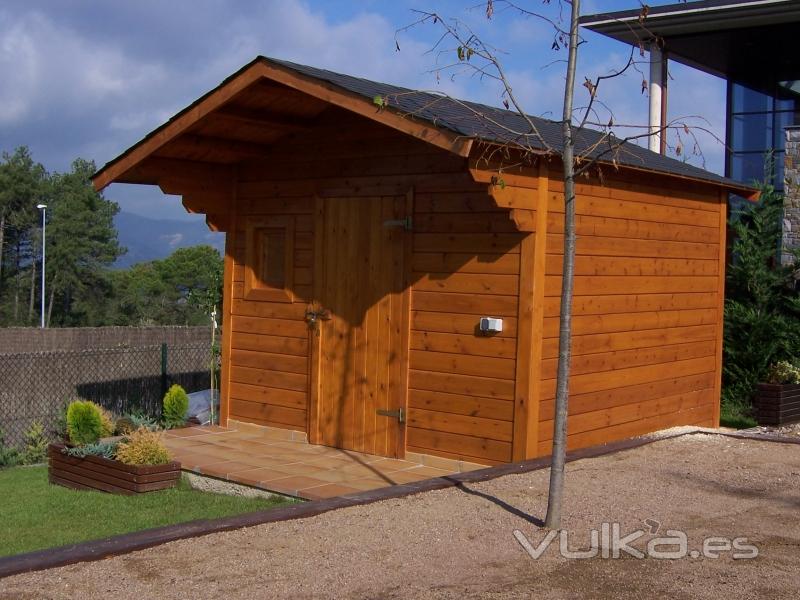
{"points": [[491, 325]]}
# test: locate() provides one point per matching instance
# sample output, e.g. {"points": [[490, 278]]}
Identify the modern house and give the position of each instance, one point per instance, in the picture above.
{"points": [[388, 288], [752, 45]]}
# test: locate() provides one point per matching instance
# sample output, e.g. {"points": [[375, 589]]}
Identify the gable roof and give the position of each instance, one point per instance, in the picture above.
{"points": [[462, 120]]}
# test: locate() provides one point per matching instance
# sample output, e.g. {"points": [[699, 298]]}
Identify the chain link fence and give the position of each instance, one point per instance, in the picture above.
{"points": [[36, 386]]}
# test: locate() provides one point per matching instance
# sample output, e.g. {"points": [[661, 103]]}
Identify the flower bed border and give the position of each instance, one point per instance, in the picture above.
{"points": [[777, 404], [106, 475]]}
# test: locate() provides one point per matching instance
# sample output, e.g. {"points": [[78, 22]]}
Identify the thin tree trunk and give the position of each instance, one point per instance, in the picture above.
{"points": [[50, 305], [556, 493], [16, 285]]}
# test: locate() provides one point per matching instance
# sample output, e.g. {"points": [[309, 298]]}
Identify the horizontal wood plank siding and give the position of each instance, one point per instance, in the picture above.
{"points": [[465, 265], [645, 313]]}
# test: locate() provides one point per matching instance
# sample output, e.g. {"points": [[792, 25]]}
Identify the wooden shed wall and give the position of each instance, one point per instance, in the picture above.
{"points": [[464, 265], [647, 308], [466, 261]]}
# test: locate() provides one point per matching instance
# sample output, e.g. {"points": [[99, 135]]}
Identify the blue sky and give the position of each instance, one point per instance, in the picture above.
{"points": [[91, 77]]}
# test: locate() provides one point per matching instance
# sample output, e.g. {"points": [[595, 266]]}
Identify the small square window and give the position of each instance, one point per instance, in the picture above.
{"points": [[270, 252]]}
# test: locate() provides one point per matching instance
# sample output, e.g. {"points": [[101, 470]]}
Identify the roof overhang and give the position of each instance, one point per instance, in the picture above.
{"points": [[749, 41], [178, 132]]}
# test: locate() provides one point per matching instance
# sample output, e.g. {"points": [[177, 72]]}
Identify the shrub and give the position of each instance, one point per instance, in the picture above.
{"points": [[104, 449], [84, 422], [143, 447], [176, 407], [35, 444], [8, 455], [141, 420], [783, 372], [107, 421], [124, 426]]}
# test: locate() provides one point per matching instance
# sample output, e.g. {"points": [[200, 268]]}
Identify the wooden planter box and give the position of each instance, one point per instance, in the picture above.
{"points": [[102, 474], [777, 404]]}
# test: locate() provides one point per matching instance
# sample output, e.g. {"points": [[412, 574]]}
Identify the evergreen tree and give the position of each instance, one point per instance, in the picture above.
{"points": [[81, 244], [22, 183], [762, 307]]}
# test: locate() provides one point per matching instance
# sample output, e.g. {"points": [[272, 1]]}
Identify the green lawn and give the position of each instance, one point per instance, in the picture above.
{"points": [[38, 515], [738, 416]]}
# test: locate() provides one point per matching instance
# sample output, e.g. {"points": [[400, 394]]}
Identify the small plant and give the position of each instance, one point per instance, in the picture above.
{"points": [[104, 449], [176, 407], [142, 420], [143, 447], [8, 455], [84, 422], [783, 373], [35, 444], [107, 420], [124, 426]]}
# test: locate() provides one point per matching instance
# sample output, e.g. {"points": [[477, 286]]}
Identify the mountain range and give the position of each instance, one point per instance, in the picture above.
{"points": [[151, 239]]}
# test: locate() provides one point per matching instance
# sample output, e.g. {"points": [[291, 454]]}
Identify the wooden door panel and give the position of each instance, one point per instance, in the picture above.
{"points": [[361, 345]]}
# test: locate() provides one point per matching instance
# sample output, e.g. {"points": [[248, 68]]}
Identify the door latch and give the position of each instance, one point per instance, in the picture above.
{"points": [[399, 414], [404, 223]]}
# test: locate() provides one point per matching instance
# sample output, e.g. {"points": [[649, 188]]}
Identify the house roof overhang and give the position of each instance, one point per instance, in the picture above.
{"points": [[752, 42]]}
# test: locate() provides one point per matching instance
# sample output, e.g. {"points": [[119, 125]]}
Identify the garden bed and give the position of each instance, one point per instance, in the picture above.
{"points": [[777, 404], [106, 475]]}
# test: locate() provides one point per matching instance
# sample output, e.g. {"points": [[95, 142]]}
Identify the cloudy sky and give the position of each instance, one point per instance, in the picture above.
{"points": [[89, 78]]}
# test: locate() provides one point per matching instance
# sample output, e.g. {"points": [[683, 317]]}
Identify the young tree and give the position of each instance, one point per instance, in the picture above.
{"points": [[474, 56]]}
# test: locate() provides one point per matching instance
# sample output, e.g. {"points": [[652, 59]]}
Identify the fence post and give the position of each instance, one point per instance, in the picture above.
{"points": [[163, 369]]}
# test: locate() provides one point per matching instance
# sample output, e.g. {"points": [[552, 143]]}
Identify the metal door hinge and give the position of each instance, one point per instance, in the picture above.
{"points": [[406, 223], [399, 414]]}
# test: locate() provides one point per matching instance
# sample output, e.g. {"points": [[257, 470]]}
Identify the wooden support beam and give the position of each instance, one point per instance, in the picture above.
{"points": [[218, 222], [204, 143], [261, 120], [155, 169], [527, 385], [525, 220], [514, 197]]}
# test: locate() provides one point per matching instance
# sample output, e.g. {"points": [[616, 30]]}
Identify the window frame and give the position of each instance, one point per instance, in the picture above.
{"points": [[256, 232]]}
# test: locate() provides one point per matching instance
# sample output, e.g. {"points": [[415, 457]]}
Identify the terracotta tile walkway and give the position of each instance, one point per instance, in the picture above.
{"points": [[282, 461]]}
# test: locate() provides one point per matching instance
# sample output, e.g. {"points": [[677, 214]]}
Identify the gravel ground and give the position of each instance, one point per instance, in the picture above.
{"points": [[459, 543]]}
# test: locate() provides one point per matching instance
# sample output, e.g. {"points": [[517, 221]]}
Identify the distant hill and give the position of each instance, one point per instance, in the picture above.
{"points": [[150, 239]]}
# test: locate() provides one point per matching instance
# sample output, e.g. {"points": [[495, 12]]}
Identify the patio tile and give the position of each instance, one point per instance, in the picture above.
{"points": [[258, 457], [368, 484], [330, 490], [259, 476], [291, 485], [186, 432], [224, 469]]}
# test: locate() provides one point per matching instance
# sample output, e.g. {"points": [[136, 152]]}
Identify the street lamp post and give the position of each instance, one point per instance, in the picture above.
{"points": [[43, 208]]}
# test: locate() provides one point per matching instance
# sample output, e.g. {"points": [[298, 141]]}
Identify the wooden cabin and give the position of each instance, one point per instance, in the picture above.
{"points": [[366, 243]]}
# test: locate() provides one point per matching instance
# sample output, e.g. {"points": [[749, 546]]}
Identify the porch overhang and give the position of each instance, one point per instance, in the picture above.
{"points": [[243, 118]]}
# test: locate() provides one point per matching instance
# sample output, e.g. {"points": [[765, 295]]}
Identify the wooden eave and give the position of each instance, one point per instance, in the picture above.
{"points": [[130, 167], [526, 177]]}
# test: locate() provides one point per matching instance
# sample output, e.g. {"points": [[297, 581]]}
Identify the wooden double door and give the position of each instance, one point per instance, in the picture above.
{"points": [[359, 324]]}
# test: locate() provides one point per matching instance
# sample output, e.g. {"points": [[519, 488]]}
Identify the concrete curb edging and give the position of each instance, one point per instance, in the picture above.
{"points": [[139, 540]]}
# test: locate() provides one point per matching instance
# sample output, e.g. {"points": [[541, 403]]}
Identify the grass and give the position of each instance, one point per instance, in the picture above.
{"points": [[736, 415], [38, 515]]}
